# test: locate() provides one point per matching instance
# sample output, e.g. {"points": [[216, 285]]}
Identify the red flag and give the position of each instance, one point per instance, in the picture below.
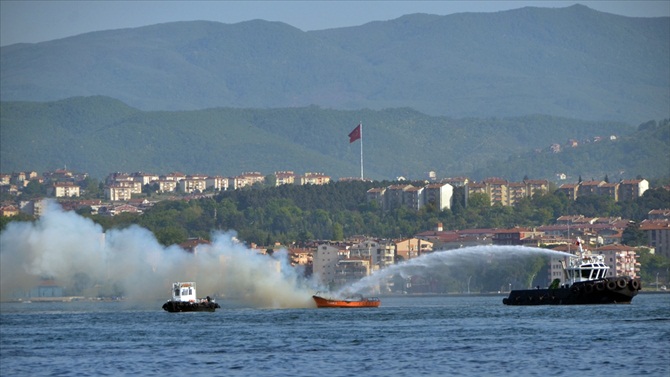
{"points": [[355, 134]]}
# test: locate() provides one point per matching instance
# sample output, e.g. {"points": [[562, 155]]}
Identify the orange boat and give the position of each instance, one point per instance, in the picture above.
{"points": [[349, 302]]}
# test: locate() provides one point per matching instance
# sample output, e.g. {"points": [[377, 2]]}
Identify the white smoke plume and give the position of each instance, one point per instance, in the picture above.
{"points": [[72, 250]]}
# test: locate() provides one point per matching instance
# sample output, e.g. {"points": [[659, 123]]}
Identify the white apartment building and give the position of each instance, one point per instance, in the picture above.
{"points": [[324, 262], [380, 253]]}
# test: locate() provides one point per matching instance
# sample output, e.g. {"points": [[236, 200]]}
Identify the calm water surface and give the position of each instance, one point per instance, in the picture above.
{"points": [[430, 336]]}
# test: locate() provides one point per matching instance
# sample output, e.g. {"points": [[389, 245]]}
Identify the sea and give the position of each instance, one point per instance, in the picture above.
{"points": [[449, 335]]}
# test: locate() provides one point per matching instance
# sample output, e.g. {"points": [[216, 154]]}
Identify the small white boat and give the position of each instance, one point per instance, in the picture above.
{"points": [[184, 299]]}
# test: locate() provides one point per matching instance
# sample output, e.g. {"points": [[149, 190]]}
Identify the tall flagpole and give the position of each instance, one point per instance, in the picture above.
{"points": [[361, 123]]}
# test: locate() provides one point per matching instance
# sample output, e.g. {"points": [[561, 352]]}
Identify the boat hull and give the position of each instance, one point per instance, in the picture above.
{"points": [[618, 290], [322, 302], [184, 306]]}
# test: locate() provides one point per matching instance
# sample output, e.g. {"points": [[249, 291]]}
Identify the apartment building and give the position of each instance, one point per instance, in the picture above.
{"points": [[516, 192], [349, 271], [217, 183], [63, 190], [497, 190], [165, 185], [505, 193], [413, 198], [118, 193], [394, 195], [536, 186], [632, 189], [314, 179], [570, 190], [517, 237], [325, 259], [441, 195], [376, 195], [380, 252], [174, 176], [285, 178], [412, 248], [590, 188], [245, 179], [658, 235], [190, 185], [619, 191], [145, 178]]}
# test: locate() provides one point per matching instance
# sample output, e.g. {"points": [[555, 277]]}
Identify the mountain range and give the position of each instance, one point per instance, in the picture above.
{"points": [[571, 62]]}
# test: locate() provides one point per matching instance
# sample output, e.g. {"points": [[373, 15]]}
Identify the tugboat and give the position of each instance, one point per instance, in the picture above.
{"points": [[349, 302], [184, 300], [586, 283]]}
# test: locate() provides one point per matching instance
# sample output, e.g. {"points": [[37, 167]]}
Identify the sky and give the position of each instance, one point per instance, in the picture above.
{"points": [[28, 21]]}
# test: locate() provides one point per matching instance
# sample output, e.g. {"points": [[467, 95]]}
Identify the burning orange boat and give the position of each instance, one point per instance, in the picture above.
{"points": [[349, 302]]}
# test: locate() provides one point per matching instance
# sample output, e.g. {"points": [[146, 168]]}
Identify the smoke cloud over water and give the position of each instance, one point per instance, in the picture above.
{"points": [[77, 254]]}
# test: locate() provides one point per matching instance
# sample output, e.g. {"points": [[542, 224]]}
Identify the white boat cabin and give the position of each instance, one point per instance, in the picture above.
{"points": [[184, 292], [586, 266]]}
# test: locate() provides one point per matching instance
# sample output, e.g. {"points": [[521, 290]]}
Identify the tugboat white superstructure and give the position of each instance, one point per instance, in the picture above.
{"points": [[586, 282], [184, 299]]}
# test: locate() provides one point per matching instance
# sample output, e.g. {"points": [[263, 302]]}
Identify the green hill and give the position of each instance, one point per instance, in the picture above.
{"points": [[100, 135]]}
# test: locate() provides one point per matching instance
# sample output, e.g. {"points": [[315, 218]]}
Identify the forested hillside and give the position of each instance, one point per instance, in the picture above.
{"points": [[646, 153], [99, 135]]}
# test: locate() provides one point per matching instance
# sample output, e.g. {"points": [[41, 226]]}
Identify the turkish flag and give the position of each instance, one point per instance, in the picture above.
{"points": [[355, 134]]}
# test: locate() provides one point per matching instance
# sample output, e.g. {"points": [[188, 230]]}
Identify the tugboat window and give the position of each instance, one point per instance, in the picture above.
{"points": [[176, 292]]}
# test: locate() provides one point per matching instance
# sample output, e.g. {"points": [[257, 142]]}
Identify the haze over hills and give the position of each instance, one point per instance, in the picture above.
{"points": [[572, 62], [100, 135]]}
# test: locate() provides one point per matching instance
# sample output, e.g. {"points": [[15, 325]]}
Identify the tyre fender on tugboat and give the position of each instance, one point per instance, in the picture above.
{"points": [[621, 283], [634, 284]]}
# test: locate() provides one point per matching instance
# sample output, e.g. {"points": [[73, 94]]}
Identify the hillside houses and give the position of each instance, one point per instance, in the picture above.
{"points": [[619, 191], [505, 193], [439, 195]]}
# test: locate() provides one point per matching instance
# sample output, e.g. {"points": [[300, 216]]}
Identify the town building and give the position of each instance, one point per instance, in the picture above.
{"points": [[351, 270], [285, 178], [518, 237], [325, 259], [9, 211], [216, 183], [63, 190], [632, 189], [245, 179], [192, 184], [440, 195], [380, 252], [118, 193], [411, 248], [314, 179], [658, 235]]}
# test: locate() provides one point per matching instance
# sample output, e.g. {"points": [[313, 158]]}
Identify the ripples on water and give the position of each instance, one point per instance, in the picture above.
{"points": [[431, 336]]}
